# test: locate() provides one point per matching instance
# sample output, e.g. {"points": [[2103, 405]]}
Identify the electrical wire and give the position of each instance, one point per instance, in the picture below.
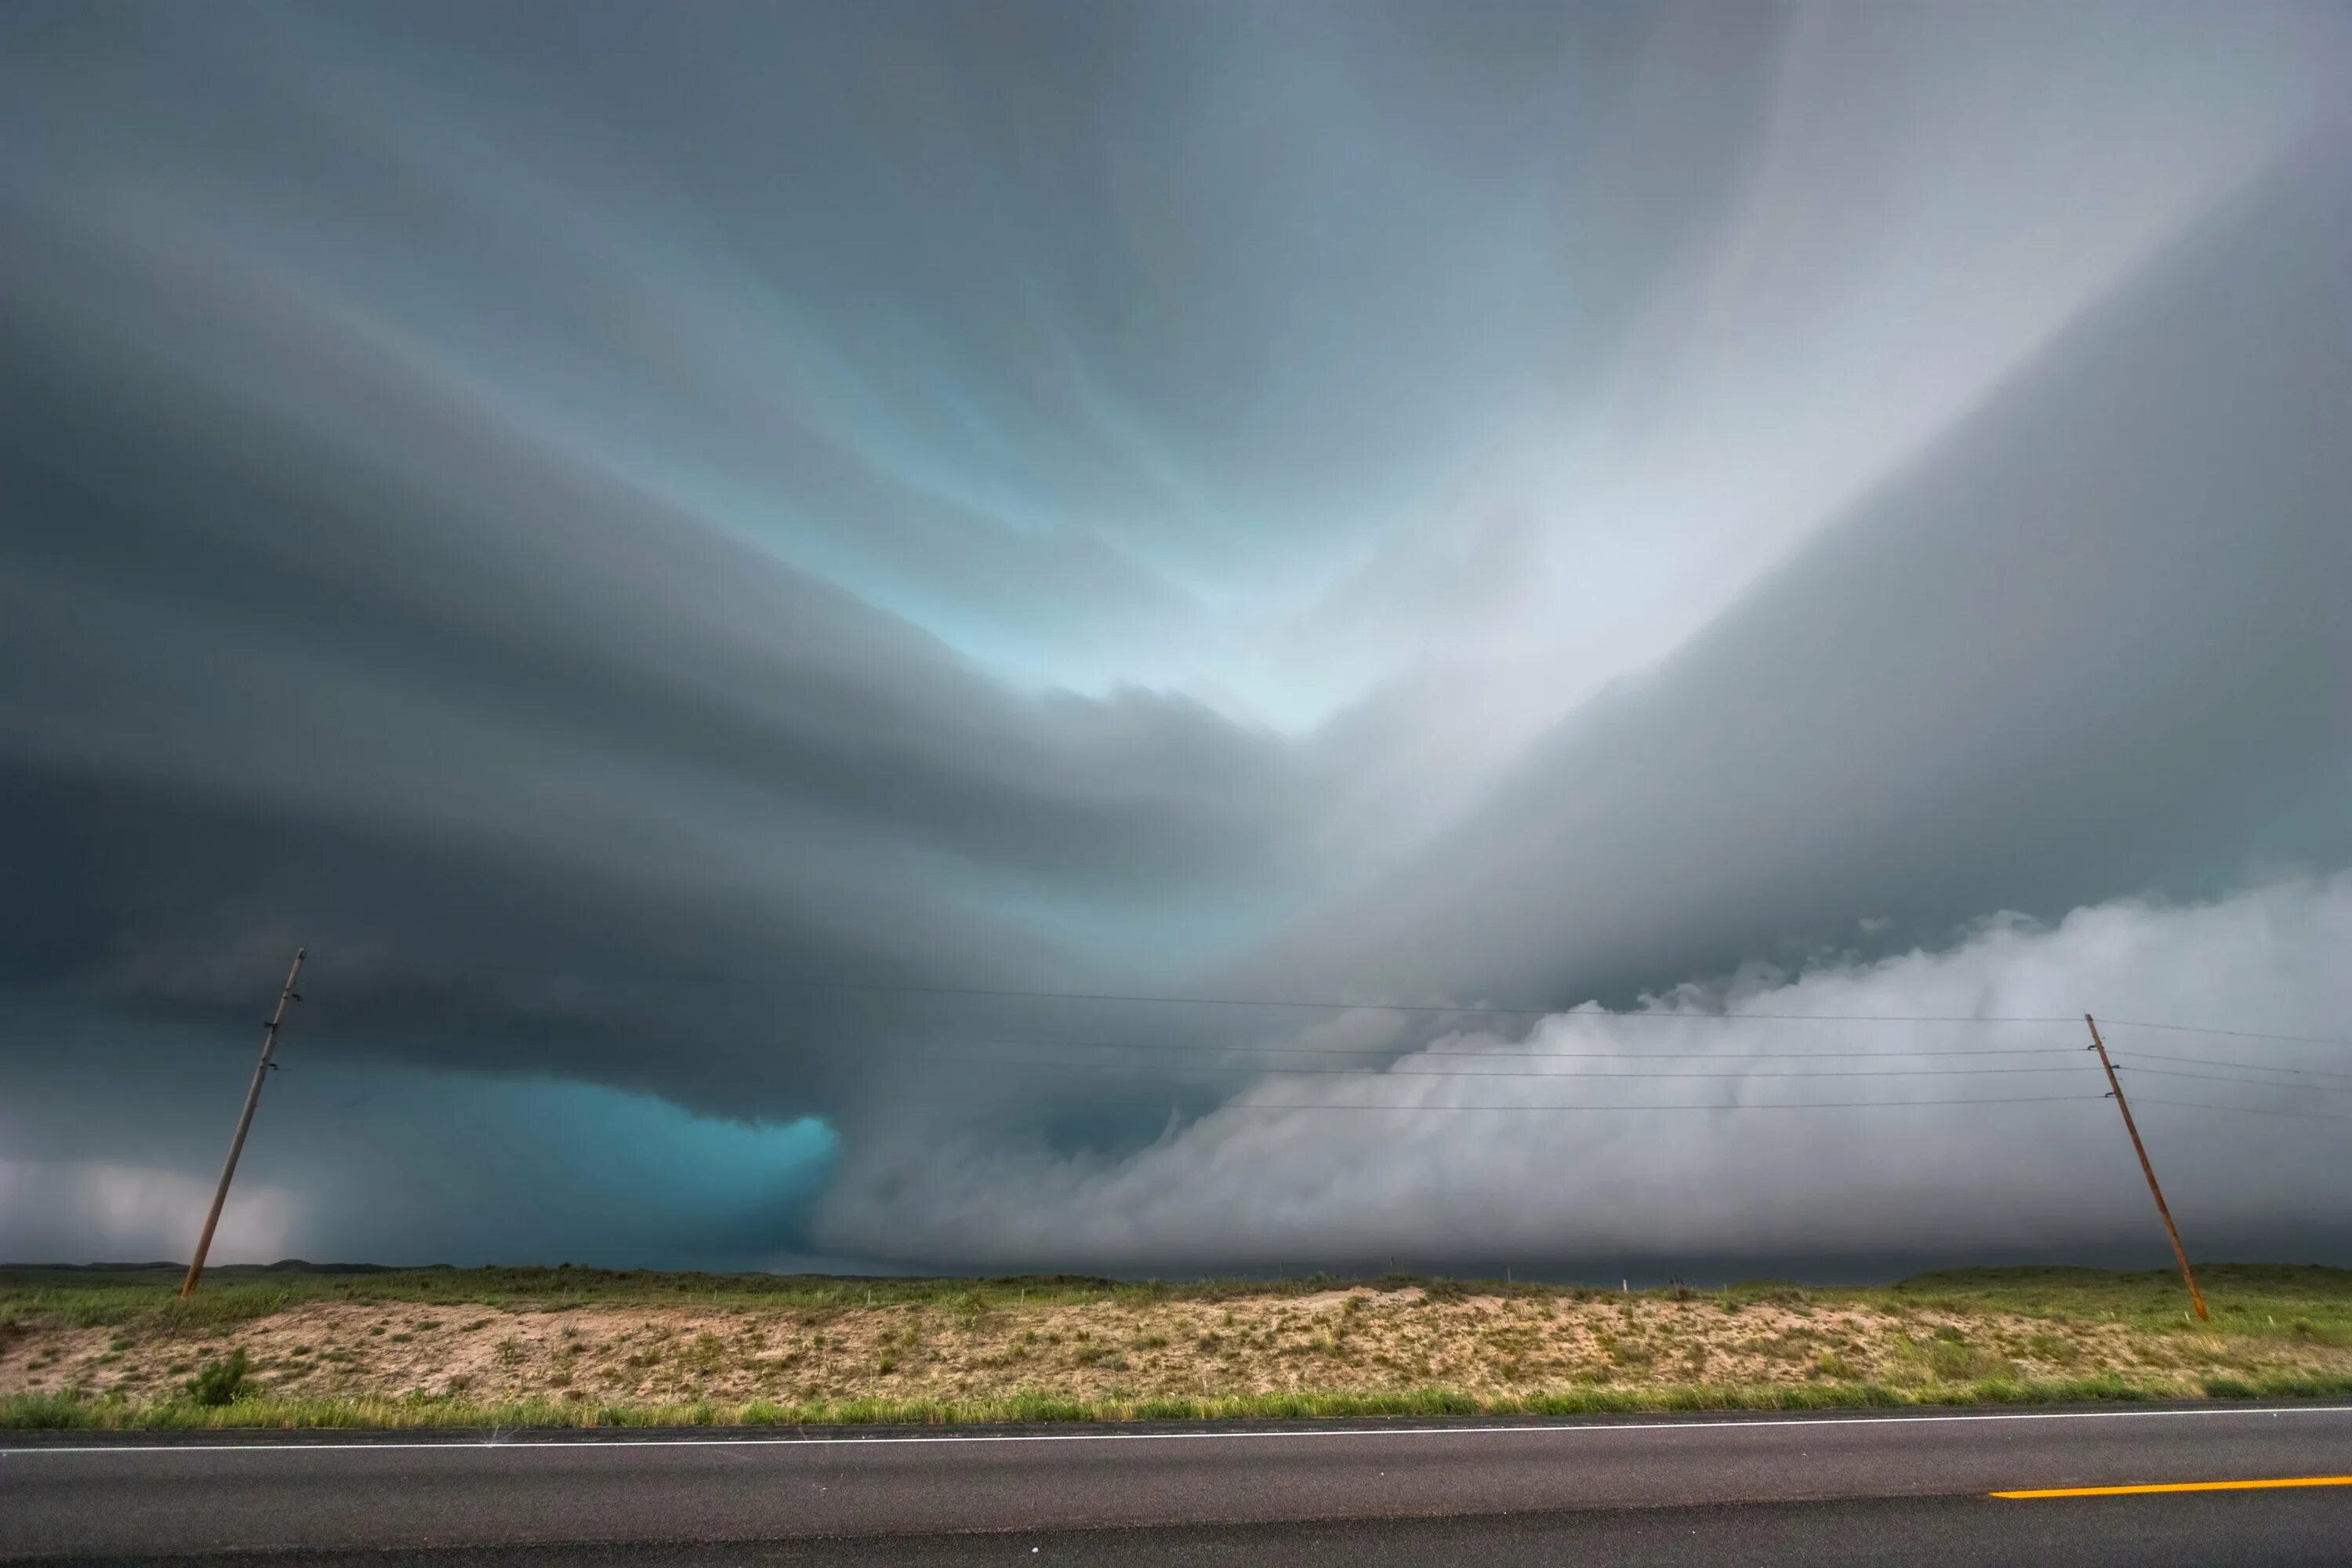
{"points": [[2249, 1082], [2212, 1062], [1773, 1105], [1442, 1009], [1392, 1051], [2231, 1034], [1375, 1073], [1487, 1010], [2248, 1109], [1435, 1008]]}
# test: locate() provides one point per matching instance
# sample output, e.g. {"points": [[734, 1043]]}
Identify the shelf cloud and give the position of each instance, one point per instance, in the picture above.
{"points": [[1735, 1123], [729, 574]]}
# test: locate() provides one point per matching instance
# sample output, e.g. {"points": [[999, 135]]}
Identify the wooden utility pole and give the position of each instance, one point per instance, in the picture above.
{"points": [[2196, 1297], [244, 1121]]}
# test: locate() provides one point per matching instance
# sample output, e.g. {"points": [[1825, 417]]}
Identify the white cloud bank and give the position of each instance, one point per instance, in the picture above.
{"points": [[2048, 1169], [68, 1211]]}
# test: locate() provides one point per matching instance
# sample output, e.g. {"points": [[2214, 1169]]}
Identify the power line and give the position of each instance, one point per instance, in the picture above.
{"points": [[1460, 1008], [2248, 1109], [1392, 1051], [1441, 1009], [2231, 1034], [1731, 1106], [1435, 1008], [1374, 1073], [2251, 1066], [1769, 1105], [2249, 1082]]}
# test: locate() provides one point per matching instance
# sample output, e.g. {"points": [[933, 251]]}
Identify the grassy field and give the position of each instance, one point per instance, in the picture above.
{"points": [[288, 1347]]}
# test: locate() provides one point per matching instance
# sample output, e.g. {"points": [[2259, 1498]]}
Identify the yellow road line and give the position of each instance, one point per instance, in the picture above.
{"points": [[2186, 1486]]}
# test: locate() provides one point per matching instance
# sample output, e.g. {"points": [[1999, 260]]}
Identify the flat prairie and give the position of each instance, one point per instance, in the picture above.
{"points": [[296, 1346]]}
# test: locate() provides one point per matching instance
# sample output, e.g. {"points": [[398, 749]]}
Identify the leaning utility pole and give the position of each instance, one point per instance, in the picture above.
{"points": [[244, 1121], [2196, 1297]]}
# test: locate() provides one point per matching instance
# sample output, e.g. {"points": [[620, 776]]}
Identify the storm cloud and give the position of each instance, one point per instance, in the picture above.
{"points": [[1731, 1123], [725, 570]]}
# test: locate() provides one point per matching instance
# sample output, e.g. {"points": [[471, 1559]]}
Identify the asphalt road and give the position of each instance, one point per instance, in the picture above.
{"points": [[1811, 1488]]}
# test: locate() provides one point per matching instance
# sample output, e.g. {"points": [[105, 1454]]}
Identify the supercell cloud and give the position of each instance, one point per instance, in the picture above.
{"points": [[703, 560], [1721, 1126]]}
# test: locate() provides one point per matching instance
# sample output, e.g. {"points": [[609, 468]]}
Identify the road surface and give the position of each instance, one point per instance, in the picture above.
{"points": [[1845, 1486]]}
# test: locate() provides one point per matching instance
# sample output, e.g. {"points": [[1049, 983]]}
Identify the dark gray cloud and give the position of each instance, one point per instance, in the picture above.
{"points": [[470, 726], [609, 525]]}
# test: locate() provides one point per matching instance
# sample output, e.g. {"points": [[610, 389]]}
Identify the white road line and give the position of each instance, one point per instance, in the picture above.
{"points": [[1587, 1429]]}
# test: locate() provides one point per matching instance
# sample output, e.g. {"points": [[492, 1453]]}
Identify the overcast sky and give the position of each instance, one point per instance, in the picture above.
{"points": [[700, 558]]}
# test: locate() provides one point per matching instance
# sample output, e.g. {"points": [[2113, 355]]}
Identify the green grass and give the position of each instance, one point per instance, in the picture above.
{"points": [[2245, 1297], [29, 1412], [148, 1294]]}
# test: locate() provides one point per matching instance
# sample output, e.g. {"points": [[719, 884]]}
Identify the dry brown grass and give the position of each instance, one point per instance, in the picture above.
{"points": [[1340, 1341]]}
